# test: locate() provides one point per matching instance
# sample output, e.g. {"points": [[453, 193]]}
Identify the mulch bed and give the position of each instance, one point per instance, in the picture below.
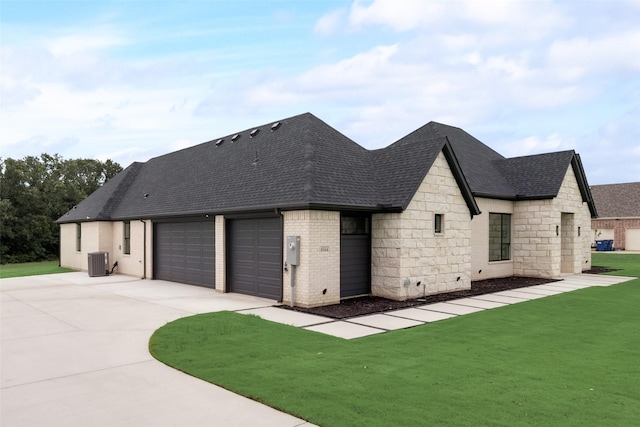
{"points": [[369, 304]]}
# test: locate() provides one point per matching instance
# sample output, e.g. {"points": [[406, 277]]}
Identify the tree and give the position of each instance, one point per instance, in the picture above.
{"points": [[36, 191]]}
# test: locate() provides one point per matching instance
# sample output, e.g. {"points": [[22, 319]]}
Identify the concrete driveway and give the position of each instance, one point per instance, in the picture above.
{"points": [[75, 353]]}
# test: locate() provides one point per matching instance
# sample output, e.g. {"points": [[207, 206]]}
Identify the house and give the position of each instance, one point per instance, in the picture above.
{"points": [[427, 214], [619, 215]]}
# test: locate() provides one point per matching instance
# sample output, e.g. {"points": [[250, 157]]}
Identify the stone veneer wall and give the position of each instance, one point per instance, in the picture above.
{"points": [[319, 267], [481, 268], [537, 248], [569, 200], [406, 250]]}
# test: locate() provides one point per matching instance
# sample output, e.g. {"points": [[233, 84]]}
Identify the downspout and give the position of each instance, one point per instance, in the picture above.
{"points": [[282, 262], [144, 250]]}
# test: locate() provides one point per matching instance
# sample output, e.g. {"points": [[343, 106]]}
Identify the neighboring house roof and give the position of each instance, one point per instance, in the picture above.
{"points": [[303, 163], [617, 200]]}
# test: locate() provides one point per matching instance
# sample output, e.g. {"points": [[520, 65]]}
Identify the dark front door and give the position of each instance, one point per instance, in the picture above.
{"points": [[355, 255], [184, 252], [254, 257]]}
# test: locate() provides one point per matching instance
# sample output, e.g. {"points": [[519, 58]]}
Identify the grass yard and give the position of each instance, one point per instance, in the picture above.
{"points": [[31, 269], [627, 264], [570, 359]]}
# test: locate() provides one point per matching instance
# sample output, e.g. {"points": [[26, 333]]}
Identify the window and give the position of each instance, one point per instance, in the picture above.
{"points": [[126, 240], [438, 223], [78, 237], [499, 237], [354, 224]]}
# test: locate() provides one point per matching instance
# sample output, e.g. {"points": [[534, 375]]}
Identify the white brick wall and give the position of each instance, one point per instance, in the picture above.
{"points": [[221, 256], [106, 236], [318, 275], [481, 268], [406, 250]]}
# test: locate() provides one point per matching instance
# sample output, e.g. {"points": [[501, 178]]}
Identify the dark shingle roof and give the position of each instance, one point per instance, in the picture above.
{"points": [[538, 176], [102, 202], [303, 163], [617, 200]]}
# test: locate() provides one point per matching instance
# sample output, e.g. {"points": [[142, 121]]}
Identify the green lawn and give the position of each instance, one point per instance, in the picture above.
{"points": [[31, 269], [570, 359], [627, 264]]}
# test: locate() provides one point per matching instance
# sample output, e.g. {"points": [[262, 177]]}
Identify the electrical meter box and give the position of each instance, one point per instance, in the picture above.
{"points": [[293, 250]]}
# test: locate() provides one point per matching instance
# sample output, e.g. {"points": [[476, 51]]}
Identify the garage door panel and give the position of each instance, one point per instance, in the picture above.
{"points": [[632, 239], [255, 257], [185, 252]]}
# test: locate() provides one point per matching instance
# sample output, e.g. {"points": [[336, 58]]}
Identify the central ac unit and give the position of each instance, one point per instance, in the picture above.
{"points": [[98, 264]]}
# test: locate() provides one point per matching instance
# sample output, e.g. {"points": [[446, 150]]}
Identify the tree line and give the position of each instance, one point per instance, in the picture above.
{"points": [[34, 193]]}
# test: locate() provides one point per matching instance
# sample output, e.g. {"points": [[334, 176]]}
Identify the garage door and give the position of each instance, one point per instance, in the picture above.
{"points": [[254, 257], [184, 252], [632, 238]]}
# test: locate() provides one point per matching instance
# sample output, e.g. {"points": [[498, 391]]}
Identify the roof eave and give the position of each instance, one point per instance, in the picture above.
{"points": [[463, 185], [583, 185]]}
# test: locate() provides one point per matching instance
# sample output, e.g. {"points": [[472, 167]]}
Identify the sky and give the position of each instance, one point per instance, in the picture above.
{"points": [[132, 80]]}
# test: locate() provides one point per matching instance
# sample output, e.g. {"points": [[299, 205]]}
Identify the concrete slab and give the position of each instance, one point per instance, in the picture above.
{"points": [[535, 290], [612, 280], [215, 302], [65, 297], [448, 307], [384, 321], [150, 290], [421, 314], [141, 394], [287, 317], [500, 298], [346, 330], [11, 307], [75, 352], [128, 316], [571, 285], [520, 294], [33, 325], [473, 302], [58, 355], [553, 287]]}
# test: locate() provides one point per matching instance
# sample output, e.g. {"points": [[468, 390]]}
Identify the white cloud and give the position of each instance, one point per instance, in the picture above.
{"points": [[519, 67], [399, 15], [330, 22], [83, 42], [582, 55], [536, 145]]}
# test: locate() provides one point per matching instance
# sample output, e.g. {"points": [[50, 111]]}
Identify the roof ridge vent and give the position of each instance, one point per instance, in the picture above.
{"points": [[275, 126], [254, 132], [220, 141], [235, 137]]}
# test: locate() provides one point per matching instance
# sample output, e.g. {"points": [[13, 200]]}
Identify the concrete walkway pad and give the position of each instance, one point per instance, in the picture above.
{"points": [[421, 315], [522, 294], [288, 317], [474, 302], [346, 330], [384, 321], [451, 308]]}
